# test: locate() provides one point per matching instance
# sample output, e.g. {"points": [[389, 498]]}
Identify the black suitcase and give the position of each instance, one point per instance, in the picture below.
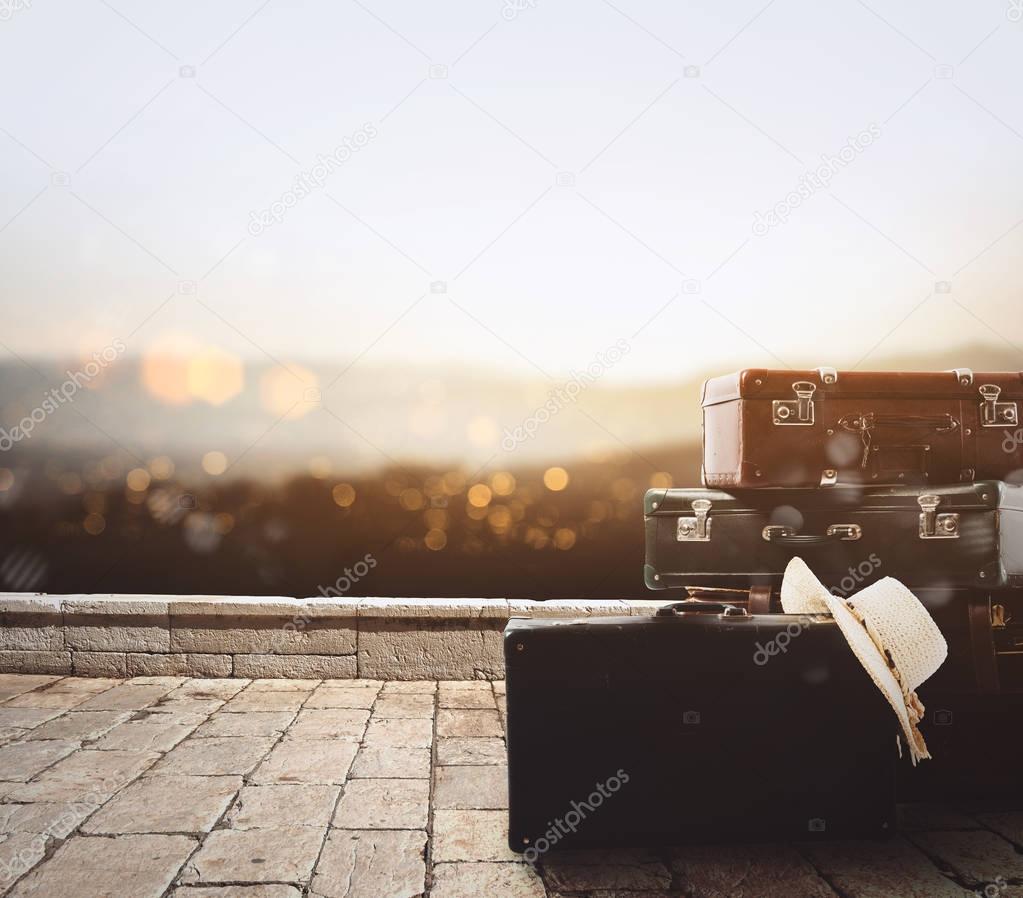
{"points": [[693, 726], [974, 739], [965, 535], [974, 717]]}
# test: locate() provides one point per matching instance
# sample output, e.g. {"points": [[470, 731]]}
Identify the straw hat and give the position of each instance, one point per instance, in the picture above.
{"points": [[890, 633]]}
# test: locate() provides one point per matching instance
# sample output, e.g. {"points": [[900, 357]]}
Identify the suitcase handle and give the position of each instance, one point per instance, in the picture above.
{"points": [[870, 420], [697, 606], [781, 535]]}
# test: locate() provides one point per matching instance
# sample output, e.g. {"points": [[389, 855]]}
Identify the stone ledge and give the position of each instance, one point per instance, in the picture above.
{"points": [[270, 636]]}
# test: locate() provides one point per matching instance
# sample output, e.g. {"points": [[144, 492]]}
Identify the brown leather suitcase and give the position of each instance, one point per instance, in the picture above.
{"points": [[801, 428]]}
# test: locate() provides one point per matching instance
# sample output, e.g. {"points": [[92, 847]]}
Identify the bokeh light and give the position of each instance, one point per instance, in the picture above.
{"points": [[138, 479], [555, 479], [343, 494], [479, 495], [502, 483], [214, 462]]}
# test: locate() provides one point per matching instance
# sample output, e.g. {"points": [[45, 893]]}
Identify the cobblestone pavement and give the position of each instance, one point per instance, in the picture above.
{"points": [[189, 788]]}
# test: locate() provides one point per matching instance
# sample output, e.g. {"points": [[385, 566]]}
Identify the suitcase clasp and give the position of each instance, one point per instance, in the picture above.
{"points": [[798, 411], [934, 525], [994, 413], [696, 528]]}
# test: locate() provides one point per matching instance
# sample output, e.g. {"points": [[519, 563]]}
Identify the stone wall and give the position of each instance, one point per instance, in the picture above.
{"points": [[240, 636]]}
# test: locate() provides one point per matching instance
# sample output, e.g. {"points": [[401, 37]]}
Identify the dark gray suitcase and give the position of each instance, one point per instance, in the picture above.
{"points": [[964, 535], [710, 724]]}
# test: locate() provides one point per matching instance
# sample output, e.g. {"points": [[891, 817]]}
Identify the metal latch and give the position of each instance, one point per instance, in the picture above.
{"points": [[999, 618], [994, 413], [828, 375], [934, 525], [797, 411], [963, 375], [697, 528]]}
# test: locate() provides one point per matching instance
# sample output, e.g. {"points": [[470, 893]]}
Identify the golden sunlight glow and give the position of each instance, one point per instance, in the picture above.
{"points": [[165, 368], [290, 392], [482, 431], [214, 375]]}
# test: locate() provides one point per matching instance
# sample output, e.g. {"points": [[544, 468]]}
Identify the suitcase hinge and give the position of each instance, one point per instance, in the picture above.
{"points": [[934, 525], [828, 376], [963, 375], [994, 413], [798, 411], [696, 528]]}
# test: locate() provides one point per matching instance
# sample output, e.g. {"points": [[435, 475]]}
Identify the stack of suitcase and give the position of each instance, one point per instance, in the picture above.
{"points": [[706, 721], [917, 476]]}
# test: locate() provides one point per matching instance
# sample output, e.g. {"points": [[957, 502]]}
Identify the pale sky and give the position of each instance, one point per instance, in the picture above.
{"points": [[567, 175]]}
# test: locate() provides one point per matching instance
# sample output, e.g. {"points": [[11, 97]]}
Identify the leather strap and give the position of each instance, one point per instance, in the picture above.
{"points": [[985, 662], [759, 600]]}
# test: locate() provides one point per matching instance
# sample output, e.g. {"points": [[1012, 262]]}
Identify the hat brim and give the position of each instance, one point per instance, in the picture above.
{"points": [[810, 596], [874, 662]]}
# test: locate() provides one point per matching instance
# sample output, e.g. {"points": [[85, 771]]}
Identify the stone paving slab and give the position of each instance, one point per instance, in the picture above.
{"points": [[166, 787]]}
